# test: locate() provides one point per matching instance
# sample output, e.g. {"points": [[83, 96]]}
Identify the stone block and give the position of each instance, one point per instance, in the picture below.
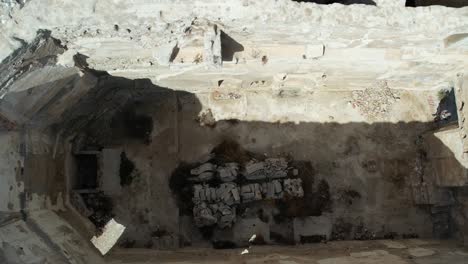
{"points": [[202, 168]]}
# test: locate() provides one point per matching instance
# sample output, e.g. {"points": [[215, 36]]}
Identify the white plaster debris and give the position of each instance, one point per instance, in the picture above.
{"points": [[110, 234]]}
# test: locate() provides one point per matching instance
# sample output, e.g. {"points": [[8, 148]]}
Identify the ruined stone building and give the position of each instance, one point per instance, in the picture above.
{"points": [[241, 131]]}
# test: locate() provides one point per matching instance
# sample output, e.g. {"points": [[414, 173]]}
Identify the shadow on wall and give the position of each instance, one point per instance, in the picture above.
{"points": [[382, 163], [343, 2], [447, 3]]}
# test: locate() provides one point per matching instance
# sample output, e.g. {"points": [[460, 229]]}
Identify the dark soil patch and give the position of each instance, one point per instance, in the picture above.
{"points": [[262, 216], [341, 230], [390, 235], [409, 236], [280, 239], [126, 169], [313, 239], [224, 245], [207, 232], [348, 196], [101, 206], [362, 233], [181, 187], [316, 200], [230, 151]]}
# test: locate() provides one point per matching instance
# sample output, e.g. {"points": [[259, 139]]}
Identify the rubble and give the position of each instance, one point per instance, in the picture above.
{"points": [[205, 172], [228, 193], [293, 187], [229, 172], [272, 190], [271, 168], [226, 215], [276, 168], [203, 168], [218, 189], [251, 192], [255, 170], [203, 215], [375, 102]]}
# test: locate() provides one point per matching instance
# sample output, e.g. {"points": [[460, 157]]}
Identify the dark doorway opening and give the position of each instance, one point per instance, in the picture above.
{"points": [[87, 167], [447, 3]]}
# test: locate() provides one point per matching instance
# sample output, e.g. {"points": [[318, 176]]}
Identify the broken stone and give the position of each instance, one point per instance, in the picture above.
{"points": [[272, 190], [202, 168], [229, 172], [252, 167], [203, 177], [109, 236], [227, 216], [276, 168], [271, 168], [228, 193], [204, 193], [203, 215], [251, 192], [293, 187], [197, 193]]}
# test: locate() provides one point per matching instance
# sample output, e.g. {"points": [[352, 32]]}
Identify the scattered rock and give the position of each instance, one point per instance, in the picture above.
{"points": [[375, 102], [203, 215], [229, 172], [293, 187]]}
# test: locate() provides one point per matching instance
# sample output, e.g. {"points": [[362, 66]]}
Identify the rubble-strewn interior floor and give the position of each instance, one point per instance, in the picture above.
{"points": [[415, 251], [327, 132]]}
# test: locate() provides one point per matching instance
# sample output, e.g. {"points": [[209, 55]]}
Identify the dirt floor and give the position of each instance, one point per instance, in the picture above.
{"points": [[411, 251]]}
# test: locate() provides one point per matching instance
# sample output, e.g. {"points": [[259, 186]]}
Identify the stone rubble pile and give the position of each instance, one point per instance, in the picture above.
{"points": [[375, 102], [266, 180]]}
